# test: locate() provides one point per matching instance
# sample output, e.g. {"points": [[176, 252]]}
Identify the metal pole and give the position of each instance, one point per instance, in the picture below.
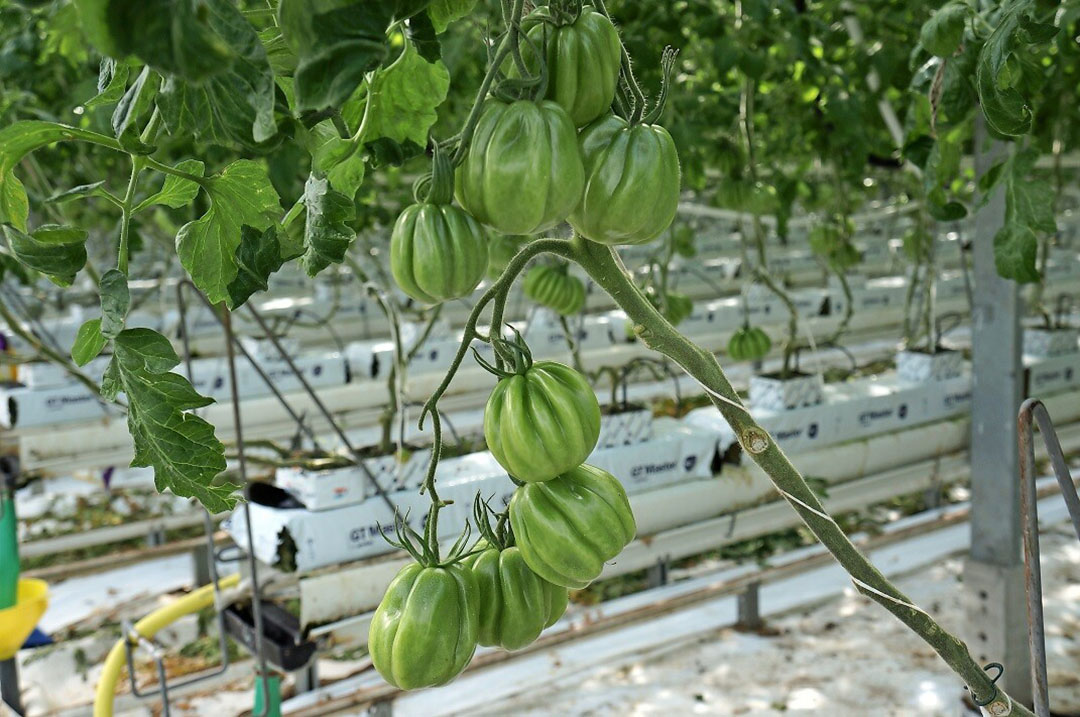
{"points": [[994, 571]]}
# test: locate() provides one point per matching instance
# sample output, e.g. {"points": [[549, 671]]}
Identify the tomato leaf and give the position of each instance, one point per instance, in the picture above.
{"points": [[112, 79], [421, 34], [327, 237], [259, 255], [1016, 250], [88, 342], [1007, 111], [241, 194], [234, 107], [444, 12], [180, 446], [115, 302], [942, 34], [176, 191], [135, 102], [177, 37], [336, 48], [79, 192], [403, 100], [16, 141], [58, 252], [343, 164]]}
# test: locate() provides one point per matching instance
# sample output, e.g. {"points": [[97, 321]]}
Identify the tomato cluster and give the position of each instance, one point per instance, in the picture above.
{"points": [[532, 164], [566, 519], [528, 165]]}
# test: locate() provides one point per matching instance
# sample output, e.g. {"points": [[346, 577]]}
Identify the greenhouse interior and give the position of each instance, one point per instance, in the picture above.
{"points": [[539, 357]]}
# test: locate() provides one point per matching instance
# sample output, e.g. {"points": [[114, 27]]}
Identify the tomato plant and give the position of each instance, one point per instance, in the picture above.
{"points": [[225, 141]]}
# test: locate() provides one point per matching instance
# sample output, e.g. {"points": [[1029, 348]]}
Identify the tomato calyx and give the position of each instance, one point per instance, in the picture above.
{"points": [[667, 65], [499, 536], [514, 352], [558, 12], [424, 549]]}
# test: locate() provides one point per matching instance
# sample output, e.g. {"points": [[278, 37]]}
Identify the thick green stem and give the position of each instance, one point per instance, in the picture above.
{"points": [[658, 334]]}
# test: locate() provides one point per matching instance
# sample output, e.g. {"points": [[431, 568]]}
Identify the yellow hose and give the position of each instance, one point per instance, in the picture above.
{"points": [[148, 627]]}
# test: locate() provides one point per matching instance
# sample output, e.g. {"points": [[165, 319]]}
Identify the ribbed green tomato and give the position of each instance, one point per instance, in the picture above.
{"points": [[542, 422], [749, 344], [553, 287], [679, 307], [424, 632], [567, 528], [501, 249], [583, 60], [631, 182], [522, 173], [437, 252], [516, 604]]}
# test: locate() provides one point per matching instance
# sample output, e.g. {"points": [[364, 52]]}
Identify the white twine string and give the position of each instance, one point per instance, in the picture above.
{"points": [[815, 511], [903, 603]]}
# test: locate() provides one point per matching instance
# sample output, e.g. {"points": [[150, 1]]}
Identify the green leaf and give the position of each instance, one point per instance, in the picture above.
{"points": [[259, 255], [241, 194], [948, 212], [88, 342], [115, 302], [444, 12], [1037, 33], [180, 446], [337, 48], [404, 97], [16, 141], [421, 35], [57, 251], [112, 79], [1006, 110], [343, 164], [1016, 250], [232, 108], [135, 103], [79, 192], [327, 237], [282, 58], [942, 34], [176, 191], [177, 37]]}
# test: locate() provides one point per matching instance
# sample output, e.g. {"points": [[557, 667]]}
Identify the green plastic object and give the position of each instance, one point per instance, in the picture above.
{"points": [[272, 700], [9, 552]]}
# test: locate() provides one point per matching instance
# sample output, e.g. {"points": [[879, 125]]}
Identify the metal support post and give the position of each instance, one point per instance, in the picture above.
{"points": [[657, 574], [994, 571], [749, 607]]}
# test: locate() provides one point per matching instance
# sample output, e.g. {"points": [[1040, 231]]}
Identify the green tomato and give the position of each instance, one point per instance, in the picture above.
{"points": [[631, 182], [583, 61], [516, 604], [749, 344], [501, 249], [522, 173], [568, 527], [437, 252], [424, 632], [542, 422], [554, 288], [679, 307]]}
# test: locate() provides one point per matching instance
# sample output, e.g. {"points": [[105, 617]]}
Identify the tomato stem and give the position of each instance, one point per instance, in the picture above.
{"points": [[603, 265]]}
